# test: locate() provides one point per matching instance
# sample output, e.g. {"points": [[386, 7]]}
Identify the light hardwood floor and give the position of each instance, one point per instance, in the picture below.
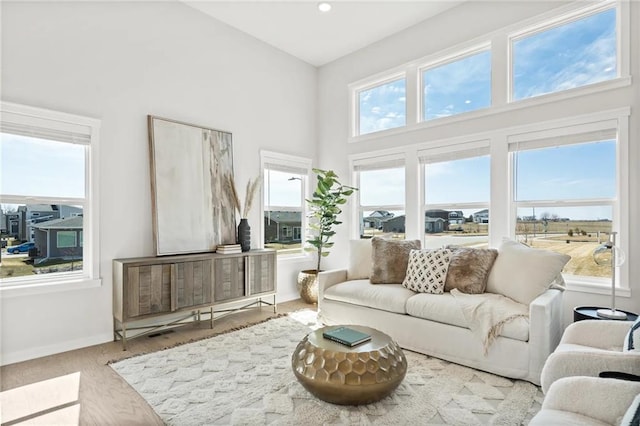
{"points": [[104, 397]]}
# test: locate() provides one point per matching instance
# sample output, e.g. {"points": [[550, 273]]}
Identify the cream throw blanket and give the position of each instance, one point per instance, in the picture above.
{"points": [[487, 313]]}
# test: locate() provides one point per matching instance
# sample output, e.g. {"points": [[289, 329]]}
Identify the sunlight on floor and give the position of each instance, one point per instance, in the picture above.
{"points": [[307, 317], [48, 402]]}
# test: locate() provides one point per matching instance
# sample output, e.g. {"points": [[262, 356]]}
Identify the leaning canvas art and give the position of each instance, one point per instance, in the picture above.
{"points": [[191, 210]]}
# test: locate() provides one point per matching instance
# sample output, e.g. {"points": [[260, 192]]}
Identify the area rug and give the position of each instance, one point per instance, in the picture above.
{"points": [[245, 378]]}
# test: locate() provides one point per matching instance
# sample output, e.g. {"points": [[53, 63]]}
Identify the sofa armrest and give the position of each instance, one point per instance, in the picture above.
{"points": [[604, 399], [330, 278], [545, 329], [603, 334]]}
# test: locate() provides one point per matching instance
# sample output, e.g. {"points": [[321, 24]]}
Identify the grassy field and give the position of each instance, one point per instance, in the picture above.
{"points": [[14, 266]]}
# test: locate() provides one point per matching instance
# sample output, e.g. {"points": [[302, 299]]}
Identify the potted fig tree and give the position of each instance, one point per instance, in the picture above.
{"points": [[324, 207]]}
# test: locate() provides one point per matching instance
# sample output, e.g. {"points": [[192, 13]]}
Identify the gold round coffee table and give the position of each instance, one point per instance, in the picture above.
{"points": [[346, 375]]}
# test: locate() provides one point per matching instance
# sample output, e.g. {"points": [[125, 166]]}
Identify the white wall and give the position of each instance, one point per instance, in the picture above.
{"points": [[463, 23], [119, 61]]}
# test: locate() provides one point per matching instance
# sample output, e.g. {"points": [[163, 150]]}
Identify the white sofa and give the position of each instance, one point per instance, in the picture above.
{"points": [[433, 324]]}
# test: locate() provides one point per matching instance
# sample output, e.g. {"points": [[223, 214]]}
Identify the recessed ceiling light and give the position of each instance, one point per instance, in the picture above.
{"points": [[324, 6]]}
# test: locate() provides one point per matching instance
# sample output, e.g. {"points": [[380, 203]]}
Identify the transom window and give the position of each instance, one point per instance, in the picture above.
{"points": [[460, 85], [382, 106], [568, 55]]}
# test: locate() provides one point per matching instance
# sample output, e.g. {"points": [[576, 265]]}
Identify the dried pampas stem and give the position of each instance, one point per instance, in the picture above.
{"points": [[251, 192], [230, 186]]}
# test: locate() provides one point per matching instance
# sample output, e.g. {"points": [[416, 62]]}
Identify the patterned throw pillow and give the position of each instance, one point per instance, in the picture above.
{"points": [[632, 339], [427, 270]]}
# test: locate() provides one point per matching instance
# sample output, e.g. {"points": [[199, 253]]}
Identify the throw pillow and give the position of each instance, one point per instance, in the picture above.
{"points": [[427, 270], [632, 339], [469, 269], [390, 259], [632, 415], [523, 273], [359, 259]]}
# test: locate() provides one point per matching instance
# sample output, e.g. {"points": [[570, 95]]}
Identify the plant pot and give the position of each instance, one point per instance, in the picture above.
{"points": [[308, 285], [244, 235]]}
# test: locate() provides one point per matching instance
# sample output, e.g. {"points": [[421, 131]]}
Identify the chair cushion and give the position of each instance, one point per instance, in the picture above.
{"points": [[632, 339], [390, 259], [427, 270], [469, 269], [523, 273], [546, 417], [387, 297], [359, 259], [443, 308]]}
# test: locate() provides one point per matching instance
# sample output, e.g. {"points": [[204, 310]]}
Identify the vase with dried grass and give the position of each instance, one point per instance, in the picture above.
{"points": [[244, 230]]}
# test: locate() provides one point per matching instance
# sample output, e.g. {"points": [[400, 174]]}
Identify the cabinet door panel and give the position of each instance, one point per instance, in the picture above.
{"points": [[262, 273], [191, 283], [148, 290], [229, 279]]}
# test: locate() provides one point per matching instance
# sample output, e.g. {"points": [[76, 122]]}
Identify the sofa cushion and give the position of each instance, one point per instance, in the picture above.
{"points": [[387, 297], [523, 273], [359, 259], [632, 339], [427, 270], [390, 259], [443, 308], [469, 269]]}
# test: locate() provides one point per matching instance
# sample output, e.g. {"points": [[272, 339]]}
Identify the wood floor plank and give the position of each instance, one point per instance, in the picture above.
{"points": [[105, 398]]}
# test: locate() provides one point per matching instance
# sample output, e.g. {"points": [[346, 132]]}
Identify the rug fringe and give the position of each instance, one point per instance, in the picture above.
{"points": [[197, 339]]}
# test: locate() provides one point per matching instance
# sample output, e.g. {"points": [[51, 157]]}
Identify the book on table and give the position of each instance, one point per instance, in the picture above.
{"points": [[346, 336]]}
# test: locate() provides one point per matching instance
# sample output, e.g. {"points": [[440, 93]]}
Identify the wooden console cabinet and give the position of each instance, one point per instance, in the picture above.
{"points": [[146, 289]]}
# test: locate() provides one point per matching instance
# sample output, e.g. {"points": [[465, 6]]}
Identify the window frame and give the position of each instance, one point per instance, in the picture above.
{"points": [[287, 161], [56, 121]]}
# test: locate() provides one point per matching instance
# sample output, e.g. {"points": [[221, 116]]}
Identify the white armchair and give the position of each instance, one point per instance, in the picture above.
{"points": [[588, 348], [588, 401]]}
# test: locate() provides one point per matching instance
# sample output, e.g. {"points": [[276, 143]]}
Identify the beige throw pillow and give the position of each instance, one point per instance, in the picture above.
{"points": [[523, 273], [469, 269], [359, 259], [390, 259]]}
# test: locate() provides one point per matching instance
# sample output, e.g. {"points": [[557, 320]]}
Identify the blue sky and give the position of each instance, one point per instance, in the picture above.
{"points": [[573, 55]]}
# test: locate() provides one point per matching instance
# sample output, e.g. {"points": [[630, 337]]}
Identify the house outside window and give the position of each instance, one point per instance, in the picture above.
{"points": [[456, 189], [380, 195], [47, 174], [285, 182], [458, 85], [578, 50]]}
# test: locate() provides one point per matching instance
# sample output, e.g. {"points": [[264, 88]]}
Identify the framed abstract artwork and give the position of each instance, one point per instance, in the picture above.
{"points": [[191, 210]]}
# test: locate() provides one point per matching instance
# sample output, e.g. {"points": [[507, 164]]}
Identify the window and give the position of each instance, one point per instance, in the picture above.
{"points": [[284, 206], [460, 85], [380, 196], [382, 107], [572, 54], [564, 194], [46, 175], [456, 196]]}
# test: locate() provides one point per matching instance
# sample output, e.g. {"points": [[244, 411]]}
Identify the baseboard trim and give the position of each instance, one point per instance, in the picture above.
{"points": [[41, 351]]}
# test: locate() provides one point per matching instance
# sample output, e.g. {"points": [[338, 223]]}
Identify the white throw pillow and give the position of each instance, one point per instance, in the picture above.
{"points": [[359, 259], [523, 273], [632, 339], [427, 270]]}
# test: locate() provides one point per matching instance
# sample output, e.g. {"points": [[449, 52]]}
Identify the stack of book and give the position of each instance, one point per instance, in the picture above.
{"points": [[228, 248]]}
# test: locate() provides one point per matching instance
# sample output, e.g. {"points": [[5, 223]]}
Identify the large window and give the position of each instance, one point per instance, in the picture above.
{"points": [[381, 200], [460, 85], [567, 55], [382, 107], [565, 196], [47, 195], [456, 197], [284, 206]]}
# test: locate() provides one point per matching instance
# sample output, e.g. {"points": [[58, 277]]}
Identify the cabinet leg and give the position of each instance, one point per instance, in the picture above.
{"points": [[275, 308], [211, 311], [124, 337]]}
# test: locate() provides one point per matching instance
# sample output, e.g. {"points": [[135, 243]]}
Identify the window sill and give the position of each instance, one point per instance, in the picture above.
{"points": [[291, 257], [44, 286], [592, 288]]}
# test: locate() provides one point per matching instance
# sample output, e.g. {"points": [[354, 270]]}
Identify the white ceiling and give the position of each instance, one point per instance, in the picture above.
{"points": [[298, 28]]}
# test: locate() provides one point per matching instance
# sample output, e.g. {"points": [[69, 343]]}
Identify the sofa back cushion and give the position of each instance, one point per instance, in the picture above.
{"points": [[469, 269], [390, 259], [523, 273], [359, 259]]}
